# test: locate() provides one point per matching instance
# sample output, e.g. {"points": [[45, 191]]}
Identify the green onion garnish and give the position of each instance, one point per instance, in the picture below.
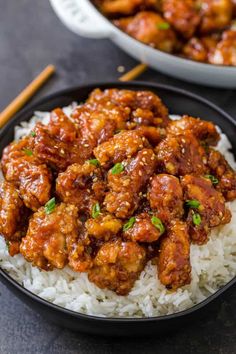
{"points": [[50, 206], [197, 219], [130, 223], [96, 210], [163, 26], [213, 179], [28, 152], [33, 134], [192, 203], [158, 224], [94, 162], [117, 168]]}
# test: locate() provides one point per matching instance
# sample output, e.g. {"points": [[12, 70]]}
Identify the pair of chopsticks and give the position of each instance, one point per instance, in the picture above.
{"points": [[40, 80]]}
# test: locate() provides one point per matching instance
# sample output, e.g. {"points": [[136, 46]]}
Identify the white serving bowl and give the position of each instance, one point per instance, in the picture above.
{"points": [[84, 19]]}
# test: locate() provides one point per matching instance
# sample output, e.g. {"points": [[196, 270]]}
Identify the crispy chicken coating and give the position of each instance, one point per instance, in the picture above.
{"points": [[45, 244], [124, 7], [226, 176], [125, 187], [180, 155], [174, 268], [145, 107], [152, 134], [182, 15], [62, 143], [104, 226], [121, 146], [143, 230], [12, 212], [212, 209], [81, 185], [215, 15], [147, 27], [28, 173], [201, 129], [200, 49], [165, 196], [117, 266], [225, 51]]}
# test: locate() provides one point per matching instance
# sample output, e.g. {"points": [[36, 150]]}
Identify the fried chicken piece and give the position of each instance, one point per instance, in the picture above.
{"points": [[215, 15], [113, 8], [45, 244], [61, 126], [152, 134], [201, 129], [181, 154], [121, 146], [182, 15], [143, 229], [165, 196], [200, 49], [174, 268], [147, 27], [145, 108], [28, 173], [225, 51], [13, 214], [117, 266], [81, 185], [80, 252], [126, 187], [104, 226], [211, 209], [226, 176]]}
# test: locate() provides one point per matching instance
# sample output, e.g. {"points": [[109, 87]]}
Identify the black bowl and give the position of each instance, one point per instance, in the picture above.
{"points": [[179, 102]]}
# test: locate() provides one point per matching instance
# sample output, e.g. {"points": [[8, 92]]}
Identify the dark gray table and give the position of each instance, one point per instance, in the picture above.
{"points": [[30, 38]]}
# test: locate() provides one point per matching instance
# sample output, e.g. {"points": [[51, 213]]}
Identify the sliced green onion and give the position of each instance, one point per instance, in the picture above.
{"points": [[8, 244], [117, 168], [192, 203], [96, 210], [94, 162], [213, 179], [33, 134], [50, 206], [28, 152], [130, 223], [158, 224], [197, 219], [163, 26]]}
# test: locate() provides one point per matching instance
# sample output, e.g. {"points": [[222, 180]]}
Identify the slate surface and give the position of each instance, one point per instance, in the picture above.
{"points": [[31, 37]]}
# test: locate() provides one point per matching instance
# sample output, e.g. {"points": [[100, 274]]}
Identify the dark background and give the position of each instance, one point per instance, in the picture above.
{"points": [[32, 37]]}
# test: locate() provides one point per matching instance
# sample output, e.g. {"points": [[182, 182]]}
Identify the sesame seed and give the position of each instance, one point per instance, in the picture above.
{"points": [[140, 173], [120, 69]]}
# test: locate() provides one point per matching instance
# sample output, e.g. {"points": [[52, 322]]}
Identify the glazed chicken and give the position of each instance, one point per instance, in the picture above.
{"points": [[147, 27], [206, 207], [28, 173], [124, 7], [182, 15], [174, 268], [181, 154], [81, 185], [200, 30], [112, 186], [117, 265]]}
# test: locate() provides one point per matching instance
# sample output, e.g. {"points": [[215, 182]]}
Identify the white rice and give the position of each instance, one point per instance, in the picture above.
{"points": [[213, 265]]}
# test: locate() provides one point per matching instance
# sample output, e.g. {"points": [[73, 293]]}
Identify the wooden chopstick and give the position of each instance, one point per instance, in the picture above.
{"points": [[135, 72], [25, 95]]}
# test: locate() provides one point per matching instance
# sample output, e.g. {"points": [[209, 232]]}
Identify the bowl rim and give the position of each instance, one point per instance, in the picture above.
{"points": [[170, 55], [126, 85]]}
